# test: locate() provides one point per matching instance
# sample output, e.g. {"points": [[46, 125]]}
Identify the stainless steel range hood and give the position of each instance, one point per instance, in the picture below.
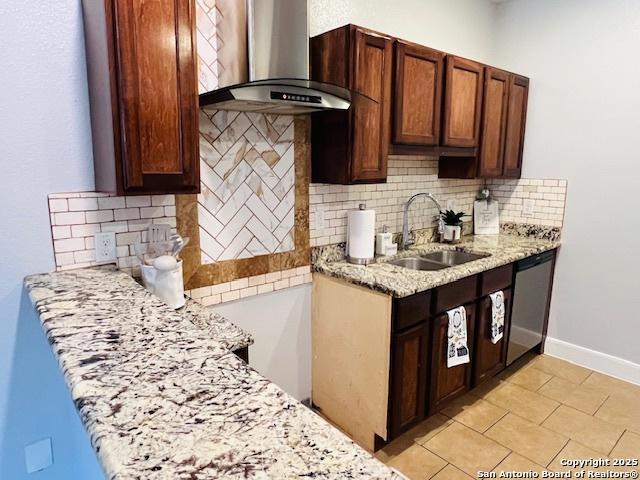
{"points": [[277, 45]]}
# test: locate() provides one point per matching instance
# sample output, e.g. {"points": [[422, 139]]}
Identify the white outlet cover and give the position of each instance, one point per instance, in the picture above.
{"points": [[105, 246], [38, 455], [451, 205], [528, 205]]}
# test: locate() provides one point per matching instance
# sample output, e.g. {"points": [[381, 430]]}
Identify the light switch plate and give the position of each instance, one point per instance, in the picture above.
{"points": [[527, 207], [105, 246], [38, 455]]}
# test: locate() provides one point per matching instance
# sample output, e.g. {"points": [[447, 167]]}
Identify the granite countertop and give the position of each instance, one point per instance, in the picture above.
{"points": [[218, 327], [401, 282], [163, 399]]}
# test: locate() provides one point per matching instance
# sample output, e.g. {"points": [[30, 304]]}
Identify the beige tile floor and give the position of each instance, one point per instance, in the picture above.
{"points": [[531, 416]]}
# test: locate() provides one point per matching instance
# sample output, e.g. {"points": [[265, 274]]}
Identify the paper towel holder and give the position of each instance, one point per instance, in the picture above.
{"points": [[359, 260]]}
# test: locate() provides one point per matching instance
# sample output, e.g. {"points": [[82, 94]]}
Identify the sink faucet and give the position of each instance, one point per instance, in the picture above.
{"points": [[406, 241]]}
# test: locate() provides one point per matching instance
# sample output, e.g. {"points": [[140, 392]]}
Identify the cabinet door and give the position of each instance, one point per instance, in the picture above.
{"points": [[449, 383], [408, 378], [417, 94], [462, 103], [494, 122], [489, 357], [516, 120], [371, 64], [155, 53]]}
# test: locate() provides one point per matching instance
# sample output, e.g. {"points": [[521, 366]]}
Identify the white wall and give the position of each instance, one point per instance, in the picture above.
{"points": [[45, 147], [462, 27], [280, 323], [583, 123]]}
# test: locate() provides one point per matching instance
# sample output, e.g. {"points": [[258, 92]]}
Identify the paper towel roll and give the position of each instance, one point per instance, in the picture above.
{"points": [[361, 225]]}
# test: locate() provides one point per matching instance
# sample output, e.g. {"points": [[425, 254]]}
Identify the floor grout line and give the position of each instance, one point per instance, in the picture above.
{"points": [[559, 452], [617, 441], [506, 412], [601, 405], [445, 465], [552, 412], [540, 387]]}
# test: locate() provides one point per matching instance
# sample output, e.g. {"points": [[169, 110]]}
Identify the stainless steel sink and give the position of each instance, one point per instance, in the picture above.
{"points": [[453, 257], [417, 263]]}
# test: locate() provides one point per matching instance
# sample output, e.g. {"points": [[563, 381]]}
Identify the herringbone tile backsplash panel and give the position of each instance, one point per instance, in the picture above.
{"points": [[246, 207]]}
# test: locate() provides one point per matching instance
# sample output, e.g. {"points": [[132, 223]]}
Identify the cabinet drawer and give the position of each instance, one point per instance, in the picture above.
{"points": [[411, 310], [455, 294], [496, 279]]}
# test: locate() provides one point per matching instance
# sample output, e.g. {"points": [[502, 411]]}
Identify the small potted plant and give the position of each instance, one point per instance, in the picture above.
{"points": [[452, 225]]}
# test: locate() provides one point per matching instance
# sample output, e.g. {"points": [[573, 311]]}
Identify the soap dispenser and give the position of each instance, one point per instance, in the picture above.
{"points": [[384, 242]]}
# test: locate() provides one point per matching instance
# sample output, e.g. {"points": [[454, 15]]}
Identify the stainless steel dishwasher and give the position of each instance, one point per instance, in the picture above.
{"points": [[530, 304]]}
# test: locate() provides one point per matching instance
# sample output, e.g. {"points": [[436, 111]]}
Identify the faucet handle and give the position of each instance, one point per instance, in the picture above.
{"points": [[411, 240]]}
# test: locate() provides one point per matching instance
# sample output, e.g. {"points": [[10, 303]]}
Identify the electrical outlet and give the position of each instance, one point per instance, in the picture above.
{"points": [[105, 246], [320, 220], [38, 455], [451, 205], [527, 207]]}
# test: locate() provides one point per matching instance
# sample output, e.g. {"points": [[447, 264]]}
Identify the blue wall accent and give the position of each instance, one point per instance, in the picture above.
{"points": [[39, 405]]}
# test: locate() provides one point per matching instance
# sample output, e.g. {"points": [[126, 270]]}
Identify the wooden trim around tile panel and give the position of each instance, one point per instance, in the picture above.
{"points": [[197, 275]]}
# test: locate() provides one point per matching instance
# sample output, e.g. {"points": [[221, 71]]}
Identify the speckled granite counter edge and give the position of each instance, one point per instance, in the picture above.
{"points": [[220, 328], [401, 282], [161, 399]]}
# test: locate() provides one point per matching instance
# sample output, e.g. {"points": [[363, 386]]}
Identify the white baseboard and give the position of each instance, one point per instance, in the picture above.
{"points": [[598, 361]]}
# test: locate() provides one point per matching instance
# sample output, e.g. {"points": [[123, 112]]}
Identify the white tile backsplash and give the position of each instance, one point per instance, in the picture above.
{"points": [[91, 212], [408, 175]]}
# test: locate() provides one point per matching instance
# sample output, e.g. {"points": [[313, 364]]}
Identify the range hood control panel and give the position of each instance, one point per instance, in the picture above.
{"points": [[294, 97]]}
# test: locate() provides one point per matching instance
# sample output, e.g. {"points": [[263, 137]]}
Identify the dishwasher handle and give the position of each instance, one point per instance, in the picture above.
{"points": [[535, 260]]}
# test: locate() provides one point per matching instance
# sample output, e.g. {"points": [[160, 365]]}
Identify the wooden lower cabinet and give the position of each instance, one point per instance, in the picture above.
{"points": [[489, 358], [448, 383], [410, 358], [380, 363]]}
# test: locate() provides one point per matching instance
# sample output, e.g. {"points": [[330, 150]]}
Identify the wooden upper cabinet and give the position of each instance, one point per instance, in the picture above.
{"points": [[516, 120], [352, 146], [408, 98], [143, 92], [417, 94], [462, 102], [372, 80], [494, 122]]}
